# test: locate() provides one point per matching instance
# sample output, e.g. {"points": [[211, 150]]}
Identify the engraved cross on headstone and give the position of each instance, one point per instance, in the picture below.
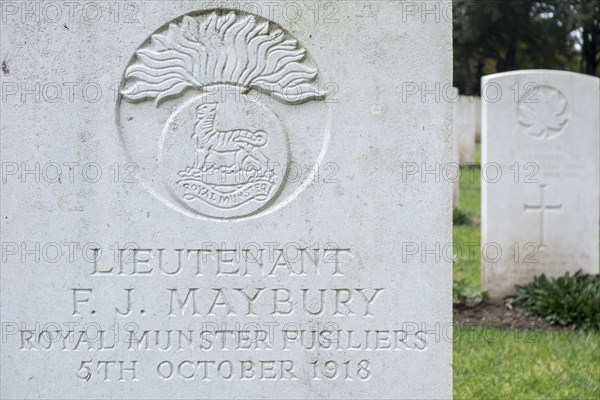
{"points": [[542, 207]]}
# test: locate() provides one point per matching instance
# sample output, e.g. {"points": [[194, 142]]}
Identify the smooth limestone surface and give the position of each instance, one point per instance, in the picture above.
{"points": [[540, 176], [208, 201]]}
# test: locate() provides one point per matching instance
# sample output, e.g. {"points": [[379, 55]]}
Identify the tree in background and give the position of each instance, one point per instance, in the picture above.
{"points": [[582, 19], [504, 35]]}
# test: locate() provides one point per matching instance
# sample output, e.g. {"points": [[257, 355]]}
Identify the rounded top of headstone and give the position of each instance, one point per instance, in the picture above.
{"points": [[538, 72]]}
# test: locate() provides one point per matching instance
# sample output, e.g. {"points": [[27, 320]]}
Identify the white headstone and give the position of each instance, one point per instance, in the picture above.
{"points": [[540, 153], [201, 202], [455, 149], [464, 126], [477, 101]]}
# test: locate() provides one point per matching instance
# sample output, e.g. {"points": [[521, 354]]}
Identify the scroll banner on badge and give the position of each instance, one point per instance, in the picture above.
{"points": [[257, 190]]}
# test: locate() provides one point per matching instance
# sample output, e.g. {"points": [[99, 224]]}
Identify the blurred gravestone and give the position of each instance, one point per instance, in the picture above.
{"points": [[455, 149], [464, 128], [540, 195], [477, 119]]}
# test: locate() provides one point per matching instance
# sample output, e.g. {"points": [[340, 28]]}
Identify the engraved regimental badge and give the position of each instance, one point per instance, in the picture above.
{"points": [[216, 107]]}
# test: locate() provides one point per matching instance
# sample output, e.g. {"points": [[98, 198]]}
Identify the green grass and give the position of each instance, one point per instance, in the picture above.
{"points": [[467, 238], [508, 364]]}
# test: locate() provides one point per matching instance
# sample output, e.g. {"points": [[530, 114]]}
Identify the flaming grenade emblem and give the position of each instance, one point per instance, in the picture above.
{"points": [[235, 146]]}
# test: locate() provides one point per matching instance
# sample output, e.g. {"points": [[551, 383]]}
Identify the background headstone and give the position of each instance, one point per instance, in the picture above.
{"points": [[464, 126], [455, 151], [477, 101], [540, 195], [207, 203]]}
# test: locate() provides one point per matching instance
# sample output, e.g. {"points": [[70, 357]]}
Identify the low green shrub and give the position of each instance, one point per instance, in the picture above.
{"points": [[570, 300], [466, 295], [460, 217]]}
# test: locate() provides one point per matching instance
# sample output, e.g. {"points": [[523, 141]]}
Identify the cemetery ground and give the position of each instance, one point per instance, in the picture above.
{"points": [[500, 353]]}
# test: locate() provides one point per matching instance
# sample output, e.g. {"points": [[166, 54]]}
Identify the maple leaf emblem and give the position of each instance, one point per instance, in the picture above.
{"points": [[543, 112]]}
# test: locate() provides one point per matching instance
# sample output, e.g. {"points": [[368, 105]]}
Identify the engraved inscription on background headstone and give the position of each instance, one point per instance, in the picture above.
{"points": [[214, 208], [540, 194], [542, 208]]}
